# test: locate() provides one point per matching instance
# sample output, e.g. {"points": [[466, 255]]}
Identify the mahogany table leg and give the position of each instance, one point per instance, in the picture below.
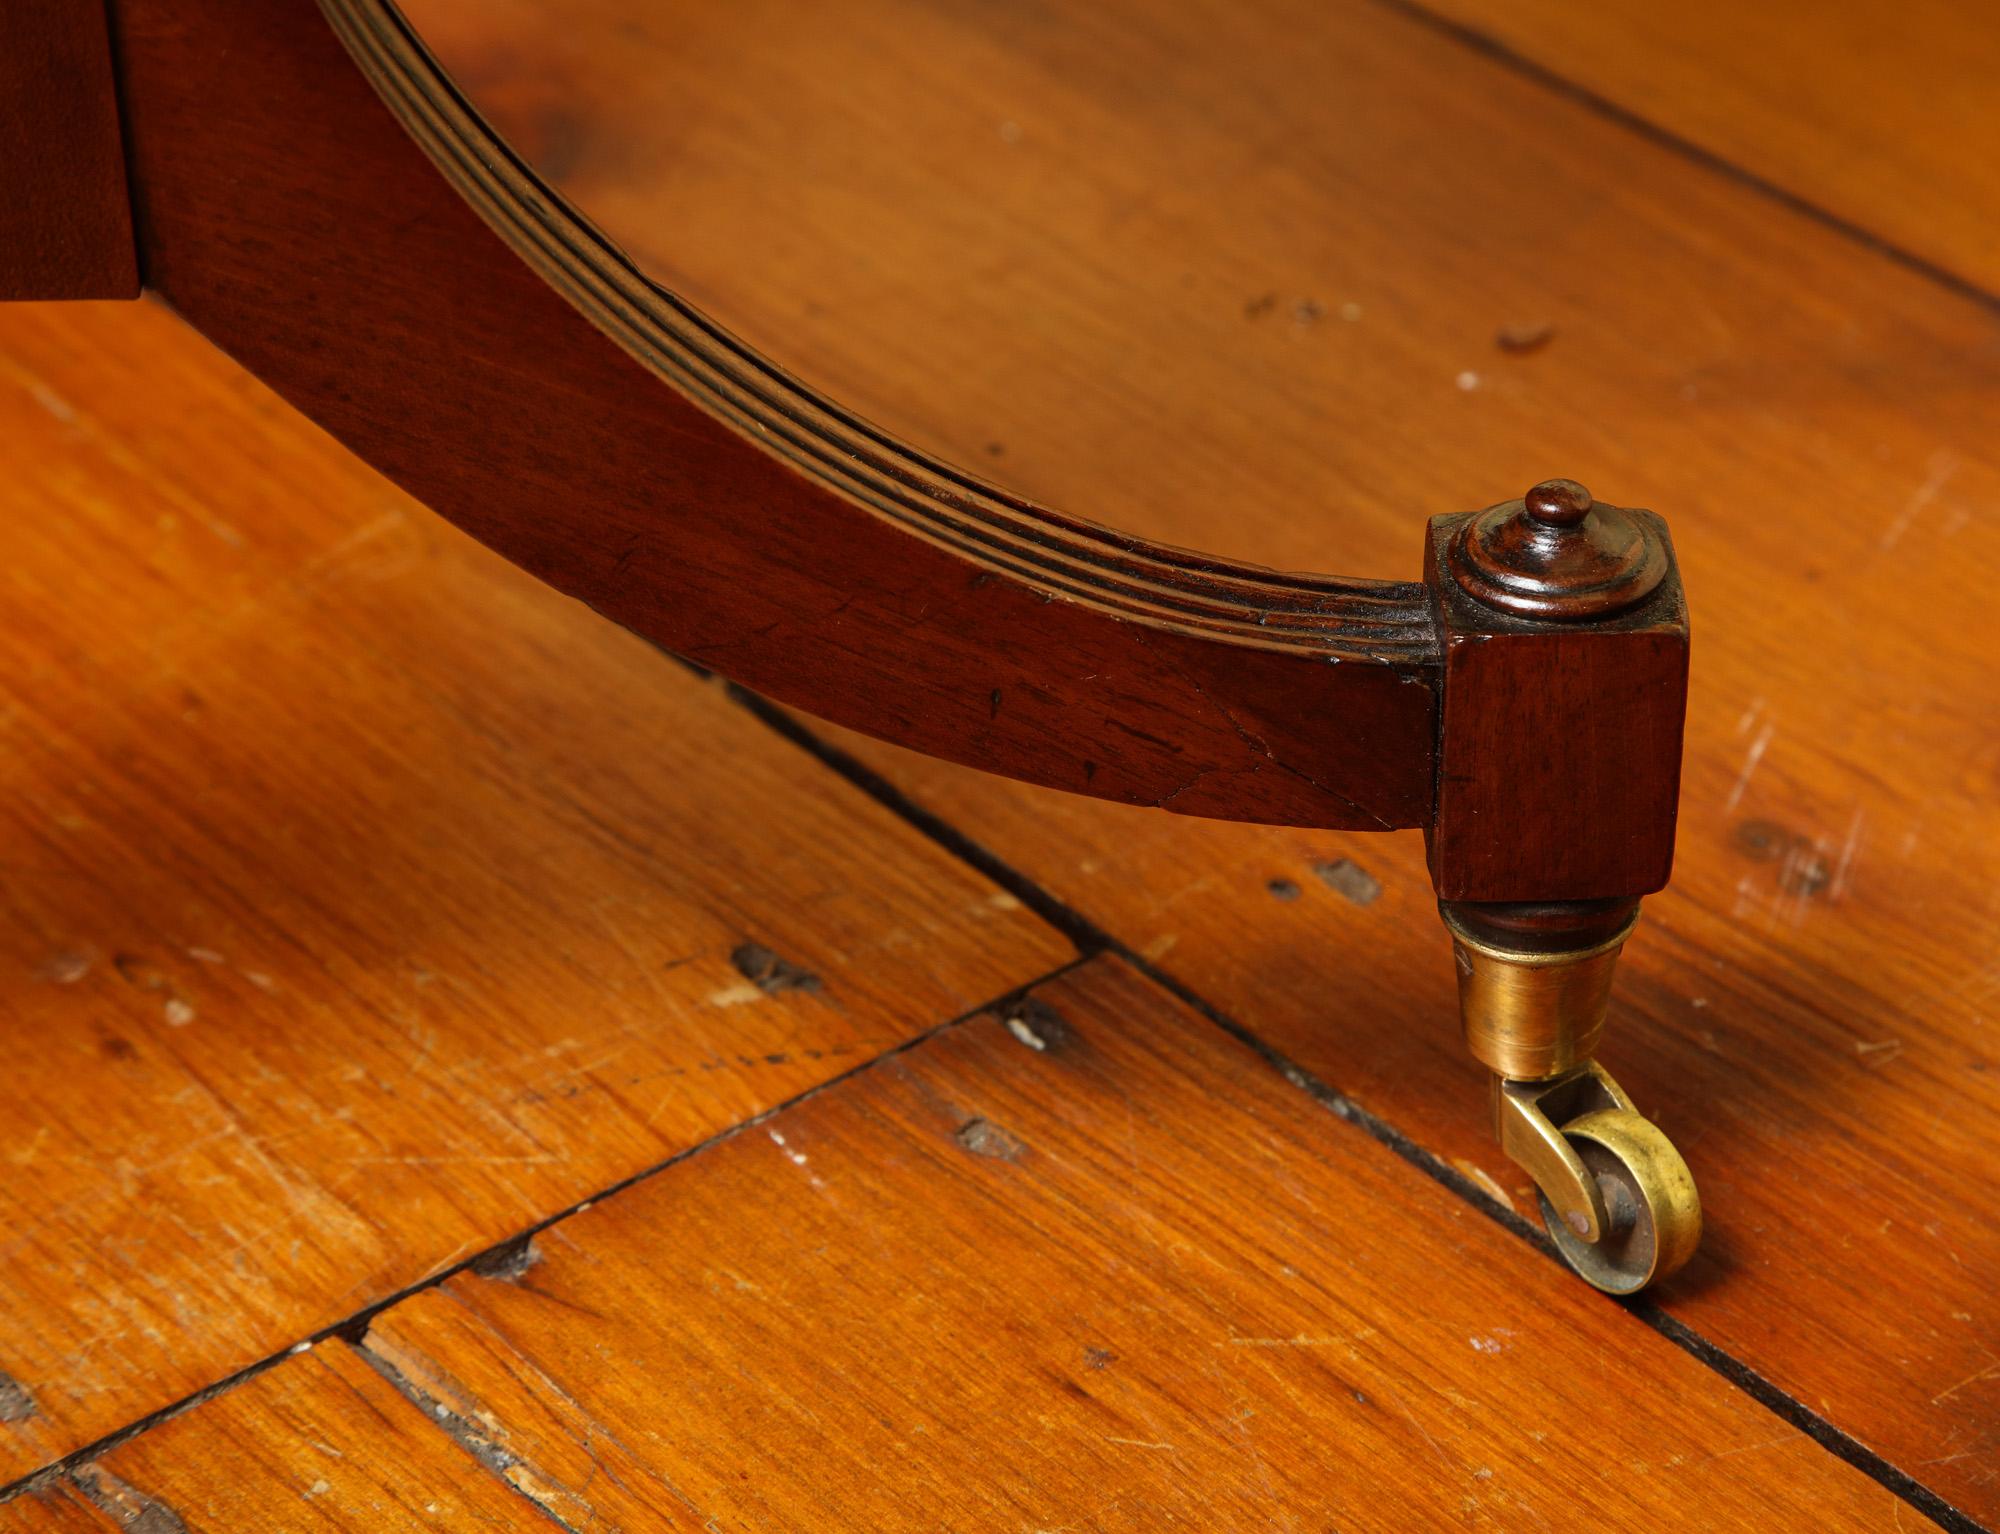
{"points": [[65, 215], [1565, 642]]}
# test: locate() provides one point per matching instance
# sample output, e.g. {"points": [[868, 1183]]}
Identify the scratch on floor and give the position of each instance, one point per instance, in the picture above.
{"points": [[1758, 746], [1879, 1052], [1284, 1342], [1763, 1443], [1843, 869], [1943, 464], [1991, 1369], [52, 402]]}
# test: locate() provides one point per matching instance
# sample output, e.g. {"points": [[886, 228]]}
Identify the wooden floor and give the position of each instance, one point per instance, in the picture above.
{"points": [[473, 1071]]}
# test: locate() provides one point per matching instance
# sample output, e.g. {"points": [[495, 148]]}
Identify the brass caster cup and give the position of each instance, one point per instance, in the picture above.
{"points": [[1617, 1198], [1531, 1016]]}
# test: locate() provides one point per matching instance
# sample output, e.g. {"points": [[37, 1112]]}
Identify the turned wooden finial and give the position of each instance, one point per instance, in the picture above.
{"points": [[1558, 503], [1557, 554]]}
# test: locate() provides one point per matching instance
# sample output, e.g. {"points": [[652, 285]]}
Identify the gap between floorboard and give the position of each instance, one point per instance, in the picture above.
{"points": [[1092, 939], [1489, 47], [499, 1256]]}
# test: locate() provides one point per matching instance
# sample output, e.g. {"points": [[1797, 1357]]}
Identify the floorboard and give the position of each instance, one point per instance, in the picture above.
{"points": [[321, 1442], [1081, 1263], [365, 902], [1882, 116]]}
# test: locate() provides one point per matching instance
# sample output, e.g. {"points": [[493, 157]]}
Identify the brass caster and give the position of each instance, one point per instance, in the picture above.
{"points": [[1534, 983], [1617, 1198]]}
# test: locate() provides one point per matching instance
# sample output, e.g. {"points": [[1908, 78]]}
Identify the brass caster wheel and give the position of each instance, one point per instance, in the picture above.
{"points": [[1533, 986], [1617, 1199], [1652, 1213]]}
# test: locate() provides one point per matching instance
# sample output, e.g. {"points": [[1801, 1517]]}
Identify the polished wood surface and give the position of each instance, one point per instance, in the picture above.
{"points": [[1884, 116], [393, 744], [364, 900], [1559, 744], [1082, 1263], [1162, 1285], [65, 217], [536, 392], [1304, 290]]}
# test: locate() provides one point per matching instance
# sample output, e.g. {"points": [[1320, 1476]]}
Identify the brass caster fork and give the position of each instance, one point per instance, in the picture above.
{"points": [[1533, 987]]}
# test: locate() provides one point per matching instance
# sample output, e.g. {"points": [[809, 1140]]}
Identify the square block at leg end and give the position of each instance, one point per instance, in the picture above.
{"points": [[1559, 749]]}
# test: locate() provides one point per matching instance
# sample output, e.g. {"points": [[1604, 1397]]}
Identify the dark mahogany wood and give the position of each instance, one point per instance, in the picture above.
{"points": [[65, 220], [1559, 757], [690, 492], [315, 197]]}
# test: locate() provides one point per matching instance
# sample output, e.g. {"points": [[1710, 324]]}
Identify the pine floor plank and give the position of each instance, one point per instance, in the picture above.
{"points": [[1091, 1265], [1087, 1263], [56, 1507], [365, 902], [322, 1442], [1885, 116]]}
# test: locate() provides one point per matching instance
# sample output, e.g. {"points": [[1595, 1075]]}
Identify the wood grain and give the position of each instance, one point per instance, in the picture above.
{"points": [[320, 1442], [1882, 115], [1208, 268], [365, 902], [65, 216], [575, 420], [1087, 1263], [1559, 744], [1091, 1265], [54, 1507]]}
